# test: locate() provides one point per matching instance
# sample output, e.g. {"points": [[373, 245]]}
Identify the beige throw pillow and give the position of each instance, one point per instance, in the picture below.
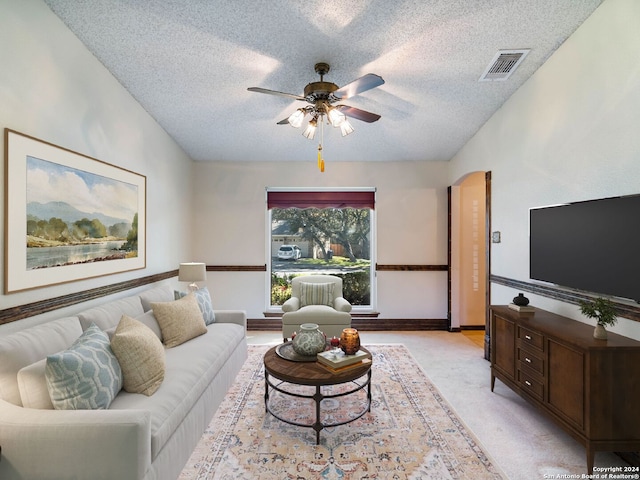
{"points": [[316, 294], [180, 320], [140, 354]]}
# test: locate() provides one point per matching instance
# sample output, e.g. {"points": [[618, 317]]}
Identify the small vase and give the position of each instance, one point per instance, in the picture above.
{"points": [[600, 333], [521, 300], [309, 341], [350, 341]]}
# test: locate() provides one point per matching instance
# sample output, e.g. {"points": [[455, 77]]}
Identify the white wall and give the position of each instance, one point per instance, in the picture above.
{"points": [[53, 89], [570, 133], [411, 210]]}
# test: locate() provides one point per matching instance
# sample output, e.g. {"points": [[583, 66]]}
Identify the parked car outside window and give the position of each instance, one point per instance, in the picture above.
{"points": [[289, 252]]}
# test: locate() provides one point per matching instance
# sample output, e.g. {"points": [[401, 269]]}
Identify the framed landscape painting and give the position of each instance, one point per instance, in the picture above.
{"points": [[68, 216]]}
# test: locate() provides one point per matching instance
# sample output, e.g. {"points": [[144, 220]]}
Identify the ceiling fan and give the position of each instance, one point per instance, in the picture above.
{"points": [[322, 95]]}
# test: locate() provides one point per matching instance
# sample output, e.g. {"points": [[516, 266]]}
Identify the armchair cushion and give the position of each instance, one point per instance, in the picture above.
{"points": [[316, 294]]}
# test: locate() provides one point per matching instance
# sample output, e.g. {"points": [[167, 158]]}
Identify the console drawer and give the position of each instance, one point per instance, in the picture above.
{"points": [[529, 360], [532, 386], [530, 338]]}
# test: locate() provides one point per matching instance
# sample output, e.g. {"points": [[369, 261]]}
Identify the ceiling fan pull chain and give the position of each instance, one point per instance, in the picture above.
{"points": [[320, 159]]}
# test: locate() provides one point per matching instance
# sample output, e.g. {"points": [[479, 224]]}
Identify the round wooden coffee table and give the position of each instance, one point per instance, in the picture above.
{"points": [[288, 372]]}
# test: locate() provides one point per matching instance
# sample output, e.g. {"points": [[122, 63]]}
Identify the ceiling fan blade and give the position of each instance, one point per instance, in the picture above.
{"points": [[358, 114], [273, 92], [284, 121], [362, 84]]}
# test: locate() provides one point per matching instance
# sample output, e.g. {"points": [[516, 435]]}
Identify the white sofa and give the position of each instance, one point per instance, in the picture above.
{"points": [[138, 436]]}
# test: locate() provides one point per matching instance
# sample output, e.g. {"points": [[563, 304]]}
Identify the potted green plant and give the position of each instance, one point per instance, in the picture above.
{"points": [[603, 310]]}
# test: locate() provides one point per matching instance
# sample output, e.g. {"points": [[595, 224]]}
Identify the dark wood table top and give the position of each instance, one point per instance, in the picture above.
{"points": [[309, 373]]}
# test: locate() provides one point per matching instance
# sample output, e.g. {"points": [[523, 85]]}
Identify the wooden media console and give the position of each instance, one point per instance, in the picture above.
{"points": [[589, 387]]}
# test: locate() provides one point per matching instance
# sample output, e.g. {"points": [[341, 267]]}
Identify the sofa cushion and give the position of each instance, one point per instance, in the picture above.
{"points": [[180, 320], [316, 294], [33, 386], [162, 293], [140, 354], [204, 302], [85, 376], [108, 315], [190, 369], [149, 319], [19, 349]]}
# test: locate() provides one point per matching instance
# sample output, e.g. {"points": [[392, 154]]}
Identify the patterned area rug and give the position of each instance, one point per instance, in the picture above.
{"points": [[410, 433]]}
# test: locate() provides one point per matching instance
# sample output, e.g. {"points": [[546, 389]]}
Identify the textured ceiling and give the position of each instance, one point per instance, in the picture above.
{"points": [[189, 63]]}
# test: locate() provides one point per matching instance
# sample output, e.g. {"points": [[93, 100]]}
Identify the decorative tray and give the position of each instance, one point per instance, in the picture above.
{"points": [[286, 351]]}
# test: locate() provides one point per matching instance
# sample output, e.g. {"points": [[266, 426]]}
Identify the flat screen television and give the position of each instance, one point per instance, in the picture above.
{"points": [[591, 245]]}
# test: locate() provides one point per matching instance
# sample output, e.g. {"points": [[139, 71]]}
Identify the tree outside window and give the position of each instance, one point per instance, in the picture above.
{"points": [[332, 241]]}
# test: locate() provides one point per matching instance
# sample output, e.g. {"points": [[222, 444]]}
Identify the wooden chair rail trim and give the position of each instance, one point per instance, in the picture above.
{"points": [[43, 306], [625, 310], [411, 268], [362, 323], [236, 268], [379, 268], [20, 312]]}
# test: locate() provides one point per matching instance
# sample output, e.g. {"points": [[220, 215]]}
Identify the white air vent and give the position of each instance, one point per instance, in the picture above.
{"points": [[503, 65]]}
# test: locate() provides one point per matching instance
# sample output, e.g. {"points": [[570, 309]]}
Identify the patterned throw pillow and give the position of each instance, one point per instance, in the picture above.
{"points": [[85, 376], [204, 302], [316, 294], [180, 320], [141, 356]]}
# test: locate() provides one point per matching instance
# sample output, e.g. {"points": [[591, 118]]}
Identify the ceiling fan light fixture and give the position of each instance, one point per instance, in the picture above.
{"points": [[321, 96], [312, 126], [295, 119], [336, 117], [346, 128]]}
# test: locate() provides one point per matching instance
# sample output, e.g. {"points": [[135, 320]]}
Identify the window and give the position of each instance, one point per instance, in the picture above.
{"points": [[322, 232]]}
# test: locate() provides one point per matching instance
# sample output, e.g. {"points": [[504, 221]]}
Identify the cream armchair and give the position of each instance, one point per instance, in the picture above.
{"points": [[316, 299]]}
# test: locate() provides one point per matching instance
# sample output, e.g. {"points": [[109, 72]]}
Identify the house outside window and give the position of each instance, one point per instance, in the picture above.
{"points": [[327, 232]]}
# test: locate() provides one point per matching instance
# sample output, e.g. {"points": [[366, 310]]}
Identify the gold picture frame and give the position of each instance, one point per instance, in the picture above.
{"points": [[68, 216]]}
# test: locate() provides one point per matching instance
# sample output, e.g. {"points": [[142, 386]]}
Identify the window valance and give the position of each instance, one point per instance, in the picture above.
{"points": [[321, 199]]}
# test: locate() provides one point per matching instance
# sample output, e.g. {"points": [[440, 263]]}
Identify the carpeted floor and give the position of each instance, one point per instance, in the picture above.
{"points": [[410, 433], [523, 442]]}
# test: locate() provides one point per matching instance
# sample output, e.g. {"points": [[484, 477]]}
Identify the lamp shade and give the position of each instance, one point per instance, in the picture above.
{"points": [[336, 117], [295, 119], [346, 128], [310, 131], [192, 272]]}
